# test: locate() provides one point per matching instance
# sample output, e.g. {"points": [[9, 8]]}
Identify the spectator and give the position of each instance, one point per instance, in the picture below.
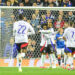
{"points": [[34, 4], [55, 2], [8, 3], [37, 14], [27, 3], [10, 49], [52, 3], [31, 48], [49, 15], [19, 1], [13, 3], [66, 3], [49, 21], [60, 2], [62, 14], [3, 20], [34, 22], [69, 3], [63, 4], [43, 20], [39, 3], [21, 4], [8, 30], [45, 3], [71, 17], [73, 2], [59, 23], [12, 18], [2, 3]]}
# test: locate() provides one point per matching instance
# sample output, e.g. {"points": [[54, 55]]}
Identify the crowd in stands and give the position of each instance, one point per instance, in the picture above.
{"points": [[38, 17], [38, 3]]}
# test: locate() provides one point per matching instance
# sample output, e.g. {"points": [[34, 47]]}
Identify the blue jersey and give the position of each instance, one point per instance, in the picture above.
{"points": [[60, 43]]}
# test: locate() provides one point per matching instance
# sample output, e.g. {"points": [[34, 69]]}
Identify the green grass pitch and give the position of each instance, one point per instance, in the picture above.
{"points": [[35, 71]]}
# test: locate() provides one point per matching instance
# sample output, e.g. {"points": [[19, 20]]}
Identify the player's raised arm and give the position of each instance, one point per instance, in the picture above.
{"points": [[31, 30]]}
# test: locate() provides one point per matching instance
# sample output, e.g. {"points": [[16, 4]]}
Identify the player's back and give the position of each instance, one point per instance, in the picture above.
{"points": [[21, 31], [70, 35], [21, 27]]}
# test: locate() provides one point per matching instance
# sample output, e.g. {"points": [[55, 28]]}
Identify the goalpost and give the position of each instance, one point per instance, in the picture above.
{"points": [[8, 15]]}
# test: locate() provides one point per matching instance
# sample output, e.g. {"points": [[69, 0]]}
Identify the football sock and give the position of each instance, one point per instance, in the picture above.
{"points": [[59, 61], [65, 59], [43, 59], [20, 62]]}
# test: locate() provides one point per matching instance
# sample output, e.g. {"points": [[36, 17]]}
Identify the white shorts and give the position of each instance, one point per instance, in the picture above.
{"points": [[60, 51]]}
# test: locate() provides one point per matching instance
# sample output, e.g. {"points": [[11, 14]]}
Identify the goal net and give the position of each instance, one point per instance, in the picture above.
{"points": [[36, 16]]}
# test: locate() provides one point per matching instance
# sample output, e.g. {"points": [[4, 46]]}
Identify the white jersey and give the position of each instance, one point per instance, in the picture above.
{"points": [[51, 36], [69, 34], [21, 30], [47, 36], [43, 38]]}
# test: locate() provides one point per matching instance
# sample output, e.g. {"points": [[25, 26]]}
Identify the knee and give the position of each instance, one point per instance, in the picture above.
{"points": [[59, 56]]}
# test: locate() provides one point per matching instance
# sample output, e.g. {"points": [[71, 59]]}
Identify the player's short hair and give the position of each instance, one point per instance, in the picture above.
{"points": [[71, 23], [21, 16]]}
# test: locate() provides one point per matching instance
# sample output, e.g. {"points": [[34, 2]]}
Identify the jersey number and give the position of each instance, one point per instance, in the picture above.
{"points": [[22, 29], [73, 35]]}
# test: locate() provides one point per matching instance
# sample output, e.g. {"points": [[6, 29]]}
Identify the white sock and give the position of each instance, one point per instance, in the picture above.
{"points": [[53, 58], [71, 62], [50, 60], [43, 60], [20, 62], [65, 59]]}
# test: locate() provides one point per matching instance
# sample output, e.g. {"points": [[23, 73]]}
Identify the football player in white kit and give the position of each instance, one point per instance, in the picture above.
{"points": [[51, 46], [47, 44], [21, 30], [43, 44], [69, 35]]}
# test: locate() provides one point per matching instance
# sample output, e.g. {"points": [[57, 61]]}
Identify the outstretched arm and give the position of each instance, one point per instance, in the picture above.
{"points": [[31, 31]]}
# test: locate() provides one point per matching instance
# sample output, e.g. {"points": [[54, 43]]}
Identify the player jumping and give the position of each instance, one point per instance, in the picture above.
{"points": [[60, 45], [21, 31]]}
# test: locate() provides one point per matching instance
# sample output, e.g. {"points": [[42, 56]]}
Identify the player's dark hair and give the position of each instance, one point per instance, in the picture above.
{"points": [[44, 24], [71, 24], [21, 17]]}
